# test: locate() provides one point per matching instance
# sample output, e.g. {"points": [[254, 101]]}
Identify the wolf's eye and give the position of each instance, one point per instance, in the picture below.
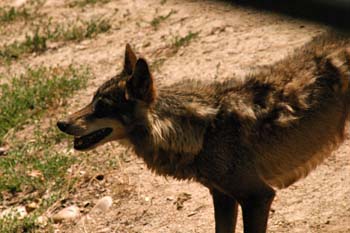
{"points": [[100, 108]]}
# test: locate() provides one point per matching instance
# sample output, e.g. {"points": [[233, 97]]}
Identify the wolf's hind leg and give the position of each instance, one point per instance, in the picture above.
{"points": [[225, 210]]}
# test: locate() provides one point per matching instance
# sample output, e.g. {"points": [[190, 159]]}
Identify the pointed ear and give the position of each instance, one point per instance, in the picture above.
{"points": [[129, 60], [140, 86]]}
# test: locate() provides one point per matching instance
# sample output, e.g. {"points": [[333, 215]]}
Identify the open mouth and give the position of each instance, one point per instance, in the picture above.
{"points": [[91, 139]]}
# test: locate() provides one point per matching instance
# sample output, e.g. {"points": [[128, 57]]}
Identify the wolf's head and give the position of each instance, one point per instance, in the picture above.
{"points": [[116, 107]]}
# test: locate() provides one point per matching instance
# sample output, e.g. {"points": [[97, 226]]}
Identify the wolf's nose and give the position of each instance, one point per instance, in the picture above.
{"points": [[62, 125]]}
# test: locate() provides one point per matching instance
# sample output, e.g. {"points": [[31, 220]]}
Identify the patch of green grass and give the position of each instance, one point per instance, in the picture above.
{"points": [[28, 11], [32, 43], [179, 42], [37, 42], [13, 224], [83, 3], [33, 170], [34, 167], [8, 14], [30, 94], [159, 19], [80, 30]]}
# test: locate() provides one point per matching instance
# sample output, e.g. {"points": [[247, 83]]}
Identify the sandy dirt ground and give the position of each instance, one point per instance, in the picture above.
{"points": [[231, 40]]}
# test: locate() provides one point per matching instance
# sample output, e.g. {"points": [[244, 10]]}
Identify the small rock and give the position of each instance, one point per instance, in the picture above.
{"points": [[3, 151], [103, 204], [82, 173], [19, 3], [20, 212], [85, 42], [41, 221], [80, 47], [68, 213], [32, 206]]}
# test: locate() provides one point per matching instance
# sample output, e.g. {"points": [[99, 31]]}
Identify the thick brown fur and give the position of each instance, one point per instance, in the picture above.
{"points": [[238, 138]]}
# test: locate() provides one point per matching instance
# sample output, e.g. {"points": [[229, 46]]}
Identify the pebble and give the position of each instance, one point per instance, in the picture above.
{"points": [[18, 3], [68, 213], [3, 151], [41, 221], [19, 212], [103, 204], [32, 206]]}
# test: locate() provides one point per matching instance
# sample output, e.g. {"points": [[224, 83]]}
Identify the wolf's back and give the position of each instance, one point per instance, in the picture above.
{"points": [[309, 111]]}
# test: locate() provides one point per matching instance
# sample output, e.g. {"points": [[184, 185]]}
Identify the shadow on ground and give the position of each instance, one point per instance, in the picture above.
{"points": [[334, 13]]}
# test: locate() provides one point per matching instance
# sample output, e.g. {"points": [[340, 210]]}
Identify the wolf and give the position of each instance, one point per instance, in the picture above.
{"points": [[242, 139]]}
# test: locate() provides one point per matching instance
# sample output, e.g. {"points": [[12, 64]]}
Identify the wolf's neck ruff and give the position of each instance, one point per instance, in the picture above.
{"points": [[173, 132], [176, 135]]}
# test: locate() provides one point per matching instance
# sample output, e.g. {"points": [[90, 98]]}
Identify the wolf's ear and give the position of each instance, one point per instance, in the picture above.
{"points": [[140, 86], [129, 60]]}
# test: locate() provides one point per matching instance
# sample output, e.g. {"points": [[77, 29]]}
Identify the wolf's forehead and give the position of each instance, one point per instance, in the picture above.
{"points": [[111, 89], [111, 85], [108, 88]]}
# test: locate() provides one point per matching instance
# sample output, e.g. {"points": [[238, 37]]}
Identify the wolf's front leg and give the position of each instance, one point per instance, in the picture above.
{"points": [[225, 209], [256, 208]]}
